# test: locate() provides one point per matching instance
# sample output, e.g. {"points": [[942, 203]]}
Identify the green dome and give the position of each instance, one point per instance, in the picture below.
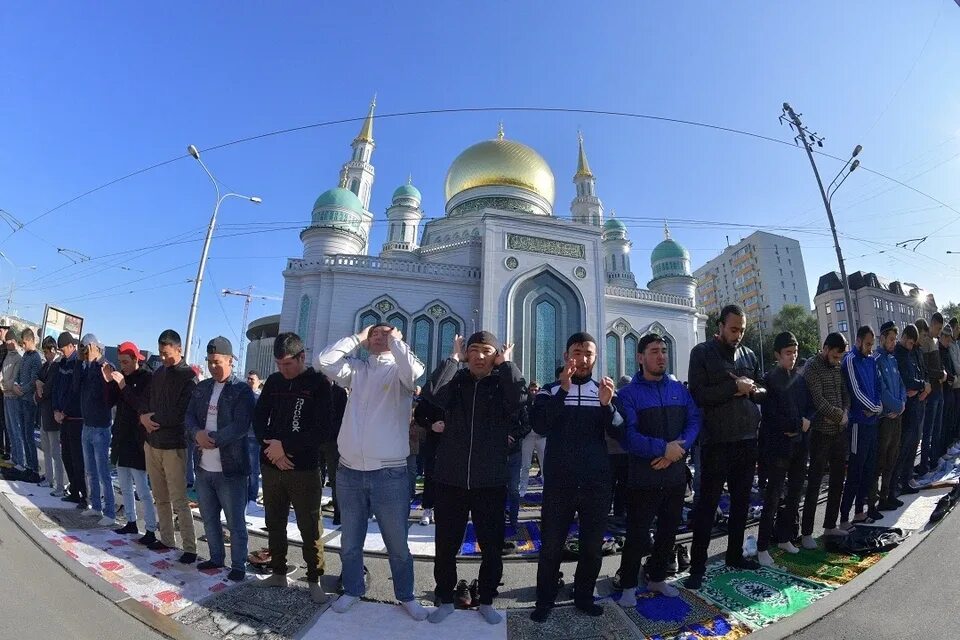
{"points": [[612, 224], [407, 191], [669, 249], [338, 197]]}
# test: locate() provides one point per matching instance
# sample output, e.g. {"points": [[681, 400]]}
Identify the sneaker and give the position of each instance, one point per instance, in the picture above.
{"points": [[683, 558], [474, 593], [159, 547], [207, 565], [32, 477], [236, 575], [461, 597], [426, 518], [107, 521], [147, 539], [127, 529], [89, 513], [874, 515], [58, 493], [45, 483], [187, 558]]}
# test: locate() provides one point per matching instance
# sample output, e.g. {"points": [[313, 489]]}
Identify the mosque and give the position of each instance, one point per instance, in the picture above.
{"points": [[501, 259]]}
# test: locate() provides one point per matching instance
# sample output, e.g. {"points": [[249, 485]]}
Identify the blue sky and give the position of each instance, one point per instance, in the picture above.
{"points": [[92, 92]]}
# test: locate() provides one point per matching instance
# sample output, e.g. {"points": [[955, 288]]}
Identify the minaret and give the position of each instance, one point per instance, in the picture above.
{"points": [[404, 217], [586, 207], [357, 174], [670, 264], [616, 253]]}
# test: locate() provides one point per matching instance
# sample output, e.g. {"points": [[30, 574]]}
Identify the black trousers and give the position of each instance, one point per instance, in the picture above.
{"points": [[560, 506], [643, 505], [71, 448], [827, 453], [330, 456], [428, 454], [302, 490], [453, 506], [778, 522], [619, 471], [733, 463]]}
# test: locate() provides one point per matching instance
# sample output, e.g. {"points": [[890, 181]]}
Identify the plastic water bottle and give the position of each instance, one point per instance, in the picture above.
{"points": [[749, 547]]}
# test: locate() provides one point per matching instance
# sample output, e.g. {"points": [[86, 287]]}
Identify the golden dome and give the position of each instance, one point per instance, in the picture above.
{"points": [[500, 162]]}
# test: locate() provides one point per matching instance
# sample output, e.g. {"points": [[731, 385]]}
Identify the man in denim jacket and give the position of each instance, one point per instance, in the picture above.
{"points": [[218, 419]]}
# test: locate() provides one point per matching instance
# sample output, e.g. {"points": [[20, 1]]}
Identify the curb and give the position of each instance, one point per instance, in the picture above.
{"points": [[164, 625]]}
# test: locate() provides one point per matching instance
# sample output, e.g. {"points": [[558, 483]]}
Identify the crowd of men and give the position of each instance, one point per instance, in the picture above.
{"points": [[359, 419]]}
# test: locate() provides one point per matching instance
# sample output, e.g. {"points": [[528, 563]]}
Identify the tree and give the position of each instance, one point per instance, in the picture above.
{"points": [[951, 310], [802, 324]]}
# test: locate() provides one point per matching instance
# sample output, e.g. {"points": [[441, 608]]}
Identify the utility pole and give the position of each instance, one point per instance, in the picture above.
{"points": [[247, 295], [804, 136]]}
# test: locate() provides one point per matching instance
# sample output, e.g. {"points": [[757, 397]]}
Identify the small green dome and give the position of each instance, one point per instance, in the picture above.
{"points": [[669, 249], [612, 224], [338, 197], [407, 191]]}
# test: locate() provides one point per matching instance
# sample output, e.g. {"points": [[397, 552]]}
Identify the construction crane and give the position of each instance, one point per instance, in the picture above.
{"points": [[248, 296]]}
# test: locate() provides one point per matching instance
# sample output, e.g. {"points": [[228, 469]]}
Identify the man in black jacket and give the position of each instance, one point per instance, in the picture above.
{"points": [[480, 405], [162, 417], [574, 413], [725, 382], [292, 418], [328, 449]]}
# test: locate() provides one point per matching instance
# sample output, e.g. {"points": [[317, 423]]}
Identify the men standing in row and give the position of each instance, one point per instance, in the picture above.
{"points": [[374, 445], [533, 441], [66, 412], [661, 423], [785, 426], [913, 374], [128, 388], [862, 379], [574, 414], [96, 409], [291, 420], [893, 397], [218, 419], [481, 404], [724, 380], [23, 451], [166, 447], [828, 442]]}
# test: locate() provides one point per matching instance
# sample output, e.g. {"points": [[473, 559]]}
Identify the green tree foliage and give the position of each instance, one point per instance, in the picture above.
{"points": [[950, 310]]}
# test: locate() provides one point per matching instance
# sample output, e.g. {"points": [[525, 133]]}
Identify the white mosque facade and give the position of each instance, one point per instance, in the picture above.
{"points": [[500, 260]]}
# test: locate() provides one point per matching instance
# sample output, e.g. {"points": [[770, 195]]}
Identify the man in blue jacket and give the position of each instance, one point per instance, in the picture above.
{"points": [[860, 374], [661, 423], [893, 397], [218, 419], [574, 414]]}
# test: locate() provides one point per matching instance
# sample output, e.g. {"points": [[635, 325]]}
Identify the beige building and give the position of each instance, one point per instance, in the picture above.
{"points": [[875, 301]]}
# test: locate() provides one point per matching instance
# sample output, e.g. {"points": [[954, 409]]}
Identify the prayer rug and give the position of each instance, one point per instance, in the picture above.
{"points": [[60, 519], [526, 537], [566, 623], [686, 616], [761, 597], [915, 512], [820, 565]]}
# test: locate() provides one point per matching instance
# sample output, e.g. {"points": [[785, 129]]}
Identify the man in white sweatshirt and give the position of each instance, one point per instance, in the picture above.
{"points": [[374, 446]]}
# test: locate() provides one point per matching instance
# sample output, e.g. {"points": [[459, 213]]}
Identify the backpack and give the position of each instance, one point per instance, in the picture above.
{"points": [[863, 541]]}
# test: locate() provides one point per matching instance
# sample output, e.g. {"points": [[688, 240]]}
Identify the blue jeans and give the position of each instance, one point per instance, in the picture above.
{"points": [[385, 492], [216, 493], [932, 418], [412, 474], [128, 477], [28, 424], [96, 461], [11, 414], [253, 483], [188, 473], [514, 463]]}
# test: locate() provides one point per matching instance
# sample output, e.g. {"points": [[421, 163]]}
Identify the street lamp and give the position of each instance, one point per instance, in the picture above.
{"points": [[13, 278], [195, 153]]}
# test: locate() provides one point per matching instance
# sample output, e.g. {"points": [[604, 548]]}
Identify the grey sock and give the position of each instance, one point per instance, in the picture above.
{"points": [[490, 614], [317, 594], [441, 613]]}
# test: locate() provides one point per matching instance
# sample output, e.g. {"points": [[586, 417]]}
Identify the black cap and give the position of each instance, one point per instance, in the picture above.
{"points": [[483, 337], [66, 338], [889, 325], [48, 343], [785, 339], [219, 346]]}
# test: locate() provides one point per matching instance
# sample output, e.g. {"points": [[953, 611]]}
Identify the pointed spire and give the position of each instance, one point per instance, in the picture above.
{"points": [[409, 178], [583, 167], [366, 131], [666, 231], [500, 131]]}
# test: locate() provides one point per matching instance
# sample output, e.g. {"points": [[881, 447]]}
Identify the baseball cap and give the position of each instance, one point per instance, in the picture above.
{"points": [[130, 349], [219, 346], [90, 339], [64, 339]]}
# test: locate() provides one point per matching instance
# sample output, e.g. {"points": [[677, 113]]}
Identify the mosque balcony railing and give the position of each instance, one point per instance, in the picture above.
{"points": [[373, 264], [650, 296]]}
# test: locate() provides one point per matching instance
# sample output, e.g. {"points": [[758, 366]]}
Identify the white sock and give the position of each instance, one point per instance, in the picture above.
{"points": [[344, 602], [663, 588], [808, 542], [788, 547], [415, 609], [440, 613], [490, 614], [764, 559], [629, 599]]}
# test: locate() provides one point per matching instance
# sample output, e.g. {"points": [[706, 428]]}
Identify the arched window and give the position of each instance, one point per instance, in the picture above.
{"points": [[400, 322], [613, 355], [422, 342], [671, 357], [304, 317], [368, 319], [629, 354], [449, 329], [545, 356], [355, 186]]}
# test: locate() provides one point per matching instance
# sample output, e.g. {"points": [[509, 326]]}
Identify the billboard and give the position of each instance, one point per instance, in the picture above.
{"points": [[56, 321]]}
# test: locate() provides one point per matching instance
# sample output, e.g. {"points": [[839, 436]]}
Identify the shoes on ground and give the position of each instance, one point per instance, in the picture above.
{"points": [[683, 558], [461, 596], [427, 517], [147, 539], [127, 529]]}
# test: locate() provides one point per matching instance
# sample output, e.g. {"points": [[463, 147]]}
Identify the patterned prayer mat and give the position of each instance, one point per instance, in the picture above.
{"points": [[760, 598], [820, 565], [686, 616], [566, 623]]}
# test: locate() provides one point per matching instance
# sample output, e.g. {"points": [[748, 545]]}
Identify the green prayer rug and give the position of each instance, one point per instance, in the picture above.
{"points": [[761, 597], [820, 565]]}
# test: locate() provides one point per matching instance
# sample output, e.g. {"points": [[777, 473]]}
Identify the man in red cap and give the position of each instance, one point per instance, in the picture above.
{"points": [[128, 389]]}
